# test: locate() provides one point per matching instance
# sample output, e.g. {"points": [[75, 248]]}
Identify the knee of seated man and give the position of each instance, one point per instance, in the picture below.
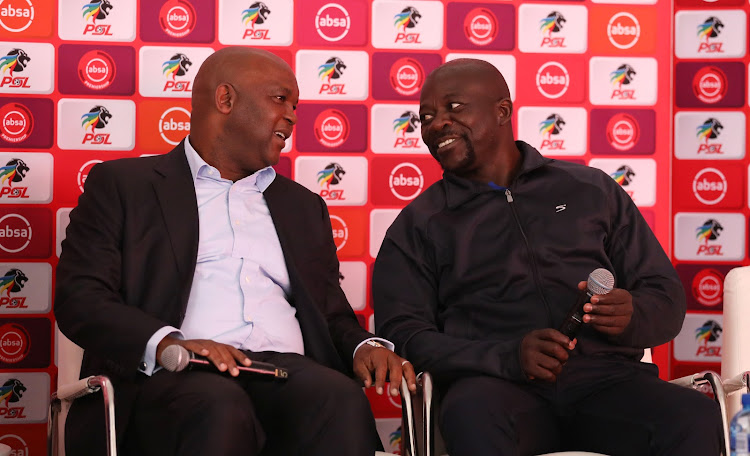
{"points": [[219, 396]]}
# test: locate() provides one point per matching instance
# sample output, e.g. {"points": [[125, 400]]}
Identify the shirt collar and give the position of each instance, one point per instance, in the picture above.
{"points": [[459, 190], [198, 167]]}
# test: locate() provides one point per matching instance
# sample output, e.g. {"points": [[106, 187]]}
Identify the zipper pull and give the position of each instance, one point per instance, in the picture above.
{"points": [[508, 196]]}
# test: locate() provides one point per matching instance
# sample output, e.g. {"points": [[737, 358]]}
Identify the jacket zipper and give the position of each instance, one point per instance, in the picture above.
{"points": [[535, 271]]}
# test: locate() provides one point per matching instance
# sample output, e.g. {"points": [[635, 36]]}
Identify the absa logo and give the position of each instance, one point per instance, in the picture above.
{"points": [[15, 233], [708, 287], [96, 69], [16, 122], [623, 30], [14, 343], [332, 22], [331, 128], [710, 84], [174, 125], [407, 18], [177, 65], [256, 14], [340, 231], [552, 125], [15, 61], [553, 23], [83, 173], [16, 15], [96, 119], [97, 9], [480, 26], [406, 76], [709, 129], [552, 80], [623, 75], [18, 446], [710, 28], [13, 171], [710, 230], [177, 18], [333, 68], [406, 123], [623, 131], [406, 181], [331, 175], [710, 186]]}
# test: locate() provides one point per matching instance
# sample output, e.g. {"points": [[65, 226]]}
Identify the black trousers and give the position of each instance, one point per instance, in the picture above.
{"points": [[316, 411], [611, 406]]}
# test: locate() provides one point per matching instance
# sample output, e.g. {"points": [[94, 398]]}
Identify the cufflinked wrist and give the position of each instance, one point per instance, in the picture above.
{"points": [[375, 343]]}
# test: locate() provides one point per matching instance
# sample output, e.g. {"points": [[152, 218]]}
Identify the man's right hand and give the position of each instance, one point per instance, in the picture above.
{"points": [[543, 353], [225, 357]]}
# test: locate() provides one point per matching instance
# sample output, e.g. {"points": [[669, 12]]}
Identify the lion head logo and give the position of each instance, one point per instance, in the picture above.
{"points": [[97, 118], [407, 18], [624, 175], [13, 171], [332, 69], [177, 65], [552, 125], [710, 28], [406, 123], [96, 9], [331, 175], [16, 60], [622, 75], [11, 391], [708, 332], [552, 23], [257, 13], [12, 281], [710, 129], [709, 231]]}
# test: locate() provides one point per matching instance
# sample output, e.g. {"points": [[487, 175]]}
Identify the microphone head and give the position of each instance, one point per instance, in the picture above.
{"points": [[175, 358], [601, 281]]}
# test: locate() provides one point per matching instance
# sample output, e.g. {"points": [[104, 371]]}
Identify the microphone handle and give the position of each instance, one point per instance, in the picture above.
{"points": [[574, 320], [257, 367]]}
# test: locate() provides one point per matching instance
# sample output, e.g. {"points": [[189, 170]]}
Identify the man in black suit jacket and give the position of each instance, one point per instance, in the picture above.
{"points": [[128, 267]]}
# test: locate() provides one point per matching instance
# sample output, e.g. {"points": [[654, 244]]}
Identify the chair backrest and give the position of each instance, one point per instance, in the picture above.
{"points": [[69, 357], [735, 351]]}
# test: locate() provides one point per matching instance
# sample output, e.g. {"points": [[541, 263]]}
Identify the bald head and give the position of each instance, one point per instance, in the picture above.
{"points": [[475, 71]]}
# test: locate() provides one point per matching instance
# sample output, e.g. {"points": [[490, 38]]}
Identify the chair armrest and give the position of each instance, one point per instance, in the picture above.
{"points": [[737, 383], [709, 381]]}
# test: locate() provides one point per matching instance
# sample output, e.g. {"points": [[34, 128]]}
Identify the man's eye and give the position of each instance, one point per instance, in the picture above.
{"points": [[281, 97], [425, 118], [455, 105]]}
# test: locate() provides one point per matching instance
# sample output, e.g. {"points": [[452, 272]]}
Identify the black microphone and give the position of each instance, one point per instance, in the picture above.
{"points": [[600, 282], [176, 358]]}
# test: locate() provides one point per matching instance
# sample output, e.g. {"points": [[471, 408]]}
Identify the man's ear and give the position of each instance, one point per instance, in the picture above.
{"points": [[225, 96], [504, 111]]}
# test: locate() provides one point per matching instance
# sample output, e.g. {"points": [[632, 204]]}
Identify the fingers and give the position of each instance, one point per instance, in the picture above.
{"points": [[224, 357], [362, 372], [610, 313], [543, 353], [407, 371], [394, 373], [381, 369]]}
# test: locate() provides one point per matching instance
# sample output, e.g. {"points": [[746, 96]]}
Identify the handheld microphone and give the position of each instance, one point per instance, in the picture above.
{"points": [[176, 358], [600, 282]]}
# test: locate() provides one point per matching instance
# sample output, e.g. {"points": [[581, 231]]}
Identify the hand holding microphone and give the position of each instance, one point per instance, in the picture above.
{"points": [[176, 358], [600, 282]]}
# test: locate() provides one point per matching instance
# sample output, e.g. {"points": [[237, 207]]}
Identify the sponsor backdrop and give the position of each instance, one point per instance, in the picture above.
{"points": [[709, 168], [84, 81]]}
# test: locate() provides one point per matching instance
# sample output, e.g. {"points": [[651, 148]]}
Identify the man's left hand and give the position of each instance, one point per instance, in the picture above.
{"points": [[609, 313], [380, 361]]}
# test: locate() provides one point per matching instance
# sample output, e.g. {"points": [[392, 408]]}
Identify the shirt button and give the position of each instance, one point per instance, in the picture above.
{"points": [[247, 279], [143, 366], [237, 223]]}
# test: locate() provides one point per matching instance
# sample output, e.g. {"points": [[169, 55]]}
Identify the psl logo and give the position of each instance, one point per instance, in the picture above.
{"points": [[257, 13], [12, 282], [332, 69], [710, 331], [406, 123], [16, 60], [13, 171], [97, 9], [710, 28], [623, 75], [331, 175], [709, 231], [710, 129], [624, 176], [552, 23], [177, 65], [552, 125], [96, 119], [407, 18], [11, 391]]}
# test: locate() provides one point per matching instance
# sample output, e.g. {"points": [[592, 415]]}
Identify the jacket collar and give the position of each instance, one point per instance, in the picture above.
{"points": [[459, 190]]}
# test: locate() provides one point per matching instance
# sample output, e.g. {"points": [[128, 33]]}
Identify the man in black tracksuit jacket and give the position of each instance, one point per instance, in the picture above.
{"points": [[476, 274]]}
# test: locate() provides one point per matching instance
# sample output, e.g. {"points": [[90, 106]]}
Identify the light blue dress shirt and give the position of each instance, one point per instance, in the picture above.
{"points": [[240, 291]]}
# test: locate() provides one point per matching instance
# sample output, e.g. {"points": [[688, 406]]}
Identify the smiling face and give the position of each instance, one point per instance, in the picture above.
{"points": [[463, 113]]}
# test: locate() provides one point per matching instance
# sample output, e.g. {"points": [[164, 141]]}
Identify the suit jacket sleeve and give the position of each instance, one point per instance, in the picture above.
{"points": [[89, 305]]}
